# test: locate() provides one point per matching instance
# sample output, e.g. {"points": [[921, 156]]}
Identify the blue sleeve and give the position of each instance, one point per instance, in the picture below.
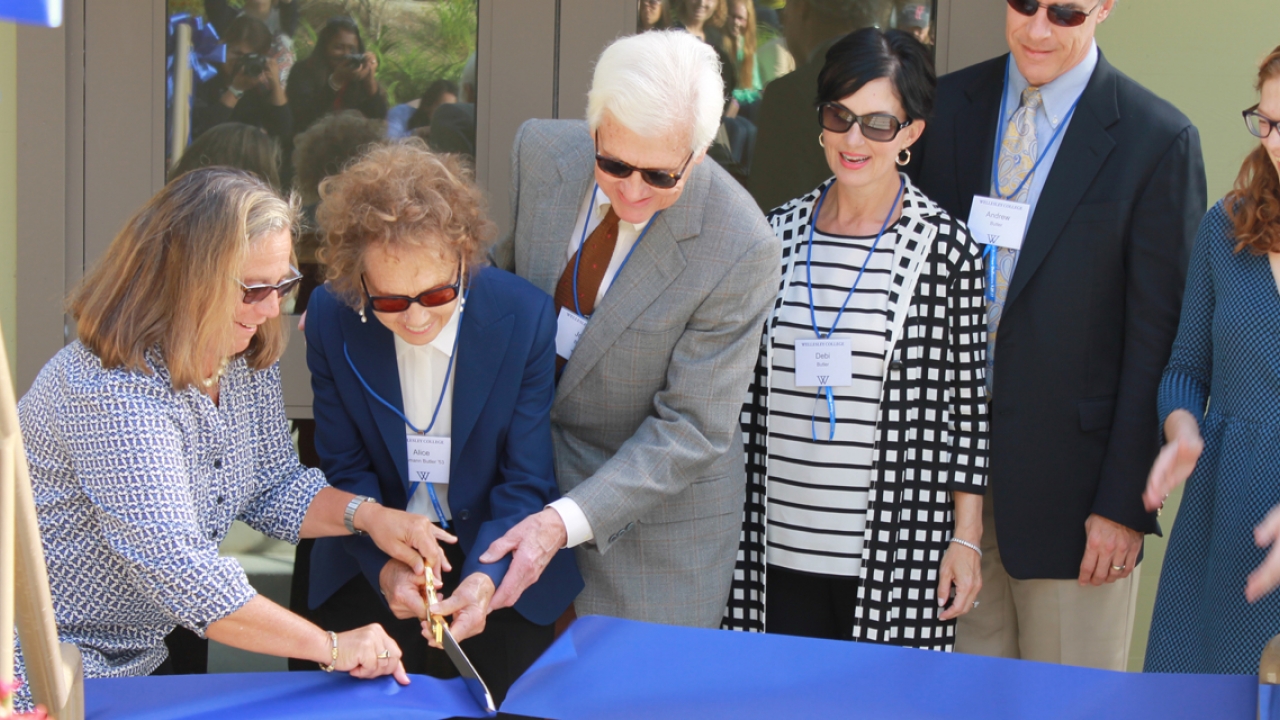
{"points": [[527, 465], [1185, 385], [342, 453]]}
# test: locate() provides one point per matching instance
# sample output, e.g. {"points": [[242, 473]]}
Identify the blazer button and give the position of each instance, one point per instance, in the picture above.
{"points": [[464, 514], [895, 365]]}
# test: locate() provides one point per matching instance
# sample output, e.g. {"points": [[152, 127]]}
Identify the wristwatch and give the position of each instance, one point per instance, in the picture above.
{"points": [[235, 92], [349, 517]]}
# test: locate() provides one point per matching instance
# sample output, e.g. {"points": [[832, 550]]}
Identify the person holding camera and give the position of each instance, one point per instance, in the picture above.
{"points": [[338, 75], [247, 88]]}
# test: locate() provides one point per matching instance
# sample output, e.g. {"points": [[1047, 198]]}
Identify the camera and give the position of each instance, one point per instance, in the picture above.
{"points": [[253, 64], [354, 60]]}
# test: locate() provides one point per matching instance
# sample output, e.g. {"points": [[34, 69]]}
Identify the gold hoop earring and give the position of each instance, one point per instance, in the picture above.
{"points": [[821, 142], [903, 161]]}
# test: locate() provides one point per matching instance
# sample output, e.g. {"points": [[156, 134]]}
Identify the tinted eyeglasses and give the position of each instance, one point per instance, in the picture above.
{"points": [[1260, 125], [1060, 15], [435, 297], [661, 179], [254, 294], [877, 126]]}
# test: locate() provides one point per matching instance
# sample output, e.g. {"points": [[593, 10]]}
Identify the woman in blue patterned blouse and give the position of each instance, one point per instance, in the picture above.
{"points": [[165, 422], [1227, 349]]}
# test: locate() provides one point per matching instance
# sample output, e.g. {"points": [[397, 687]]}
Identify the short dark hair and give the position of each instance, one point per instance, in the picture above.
{"points": [[870, 54], [251, 31], [335, 25], [422, 115], [234, 145]]}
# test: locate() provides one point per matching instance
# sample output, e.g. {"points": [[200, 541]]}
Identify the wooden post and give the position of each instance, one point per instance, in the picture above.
{"points": [[53, 670], [180, 105]]}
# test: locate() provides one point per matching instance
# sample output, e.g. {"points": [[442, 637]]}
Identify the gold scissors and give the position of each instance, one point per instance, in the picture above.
{"points": [[429, 596]]}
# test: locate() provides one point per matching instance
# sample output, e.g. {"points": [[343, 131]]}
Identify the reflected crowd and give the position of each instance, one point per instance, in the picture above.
{"points": [[788, 335]]}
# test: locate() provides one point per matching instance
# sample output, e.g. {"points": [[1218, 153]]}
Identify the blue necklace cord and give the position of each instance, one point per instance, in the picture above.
{"points": [[813, 316], [577, 256], [431, 491], [990, 251]]}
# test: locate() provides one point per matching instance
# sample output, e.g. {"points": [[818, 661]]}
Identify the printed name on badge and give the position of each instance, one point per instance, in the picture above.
{"points": [[1002, 223], [569, 327], [429, 458], [824, 363]]}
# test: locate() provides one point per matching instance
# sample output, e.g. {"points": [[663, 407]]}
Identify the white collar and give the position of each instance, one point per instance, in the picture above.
{"points": [[1057, 96], [603, 203]]}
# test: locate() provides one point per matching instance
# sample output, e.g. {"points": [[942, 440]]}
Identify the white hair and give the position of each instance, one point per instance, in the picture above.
{"points": [[657, 83]]}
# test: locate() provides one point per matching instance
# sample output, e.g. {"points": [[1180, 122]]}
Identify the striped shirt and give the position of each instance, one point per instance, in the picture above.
{"points": [[818, 489]]}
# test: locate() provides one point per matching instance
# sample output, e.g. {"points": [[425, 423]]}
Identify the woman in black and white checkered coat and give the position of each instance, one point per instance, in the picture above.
{"points": [[866, 427]]}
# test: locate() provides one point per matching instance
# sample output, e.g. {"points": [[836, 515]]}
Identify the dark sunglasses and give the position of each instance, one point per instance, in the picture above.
{"points": [[254, 294], [435, 297], [1059, 15], [877, 126], [661, 179], [1260, 125]]}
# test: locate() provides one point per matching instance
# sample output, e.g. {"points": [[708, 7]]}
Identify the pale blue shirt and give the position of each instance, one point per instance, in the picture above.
{"points": [[1057, 98]]}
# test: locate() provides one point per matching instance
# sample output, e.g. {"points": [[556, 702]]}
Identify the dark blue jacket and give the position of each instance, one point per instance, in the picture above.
{"points": [[502, 468]]}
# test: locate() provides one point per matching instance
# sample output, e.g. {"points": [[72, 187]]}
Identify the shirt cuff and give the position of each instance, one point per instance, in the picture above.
{"points": [[576, 527]]}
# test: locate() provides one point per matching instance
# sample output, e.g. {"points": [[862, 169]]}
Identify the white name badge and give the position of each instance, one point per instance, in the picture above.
{"points": [[429, 458], [569, 327], [1002, 223], [826, 363]]}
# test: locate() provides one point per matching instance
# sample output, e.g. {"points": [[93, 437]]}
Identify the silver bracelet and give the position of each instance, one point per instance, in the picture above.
{"points": [[349, 517], [967, 544]]}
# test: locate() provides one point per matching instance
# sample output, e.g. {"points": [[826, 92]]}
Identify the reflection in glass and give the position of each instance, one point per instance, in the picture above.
{"points": [[772, 51], [293, 89]]}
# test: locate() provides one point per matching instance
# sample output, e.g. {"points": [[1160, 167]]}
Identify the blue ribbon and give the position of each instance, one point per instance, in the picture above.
{"points": [[206, 50]]}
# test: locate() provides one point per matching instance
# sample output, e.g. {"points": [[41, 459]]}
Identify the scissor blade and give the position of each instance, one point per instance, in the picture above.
{"points": [[475, 685]]}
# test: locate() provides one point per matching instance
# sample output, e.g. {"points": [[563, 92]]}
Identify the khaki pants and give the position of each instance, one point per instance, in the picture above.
{"points": [[1055, 621]]}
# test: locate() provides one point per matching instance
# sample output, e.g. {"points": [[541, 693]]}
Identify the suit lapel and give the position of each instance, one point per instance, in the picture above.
{"points": [[556, 213], [655, 264], [1085, 147], [975, 139], [482, 346], [371, 349]]}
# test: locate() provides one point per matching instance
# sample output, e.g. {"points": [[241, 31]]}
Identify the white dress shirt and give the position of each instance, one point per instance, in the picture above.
{"points": [[590, 215], [422, 371]]}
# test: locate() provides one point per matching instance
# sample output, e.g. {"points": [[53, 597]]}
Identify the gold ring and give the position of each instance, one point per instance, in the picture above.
{"points": [[1118, 568], [385, 654]]}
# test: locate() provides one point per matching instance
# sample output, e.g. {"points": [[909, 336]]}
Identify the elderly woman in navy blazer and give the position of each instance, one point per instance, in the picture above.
{"points": [[433, 378]]}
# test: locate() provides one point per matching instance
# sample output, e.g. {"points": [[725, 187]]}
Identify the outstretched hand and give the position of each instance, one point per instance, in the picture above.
{"points": [[531, 543], [412, 539]]}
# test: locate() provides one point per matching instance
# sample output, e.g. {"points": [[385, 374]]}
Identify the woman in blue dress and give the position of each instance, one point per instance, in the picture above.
{"points": [[1227, 349]]}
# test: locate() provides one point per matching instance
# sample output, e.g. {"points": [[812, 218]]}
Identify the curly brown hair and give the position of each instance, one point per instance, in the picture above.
{"points": [[401, 195], [1254, 204], [326, 147]]}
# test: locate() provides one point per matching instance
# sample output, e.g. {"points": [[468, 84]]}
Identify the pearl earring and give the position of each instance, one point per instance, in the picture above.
{"points": [[363, 319]]}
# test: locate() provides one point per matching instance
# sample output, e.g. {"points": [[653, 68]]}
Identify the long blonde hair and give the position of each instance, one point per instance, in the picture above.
{"points": [[170, 278]]}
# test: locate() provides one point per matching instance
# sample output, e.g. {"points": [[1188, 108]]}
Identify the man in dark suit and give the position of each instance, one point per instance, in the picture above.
{"points": [[1085, 298], [788, 160]]}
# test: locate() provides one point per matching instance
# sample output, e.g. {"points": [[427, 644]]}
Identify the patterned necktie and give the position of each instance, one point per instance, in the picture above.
{"points": [[1019, 151], [596, 253]]}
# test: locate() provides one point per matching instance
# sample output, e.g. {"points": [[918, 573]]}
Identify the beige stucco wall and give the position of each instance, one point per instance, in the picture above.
{"points": [[8, 185], [1201, 56]]}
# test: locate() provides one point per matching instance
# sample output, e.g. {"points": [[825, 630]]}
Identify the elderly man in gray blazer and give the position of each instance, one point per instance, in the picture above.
{"points": [[663, 268]]}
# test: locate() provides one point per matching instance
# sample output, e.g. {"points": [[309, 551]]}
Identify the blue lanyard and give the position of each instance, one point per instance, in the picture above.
{"points": [[813, 317], [995, 169], [577, 257], [435, 500]]}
